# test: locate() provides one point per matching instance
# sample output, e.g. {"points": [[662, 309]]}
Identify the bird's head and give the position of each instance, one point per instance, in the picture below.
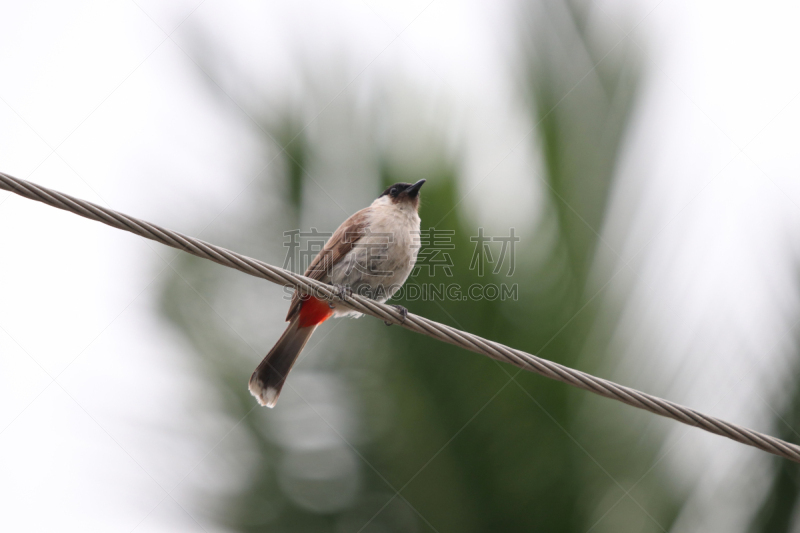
{"points": [[403, 194]]}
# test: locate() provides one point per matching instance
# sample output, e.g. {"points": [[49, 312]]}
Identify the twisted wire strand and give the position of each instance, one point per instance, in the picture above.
{"points": [[416, 323]]}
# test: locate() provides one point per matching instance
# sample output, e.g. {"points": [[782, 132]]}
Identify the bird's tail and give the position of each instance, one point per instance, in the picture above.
{"points": [[267, 380]]}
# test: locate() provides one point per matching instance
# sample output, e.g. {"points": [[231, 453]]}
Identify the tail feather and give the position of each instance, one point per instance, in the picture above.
{"points": [[267, 381]]}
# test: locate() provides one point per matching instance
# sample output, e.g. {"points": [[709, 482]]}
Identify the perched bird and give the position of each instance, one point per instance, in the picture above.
{"points": [[372, 253]]}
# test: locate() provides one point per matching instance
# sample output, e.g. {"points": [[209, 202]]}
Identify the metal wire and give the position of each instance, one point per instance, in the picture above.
{"points": [[415, 323]]}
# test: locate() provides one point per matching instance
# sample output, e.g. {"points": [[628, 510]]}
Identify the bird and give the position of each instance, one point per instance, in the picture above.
{"points": [[371, 254]]}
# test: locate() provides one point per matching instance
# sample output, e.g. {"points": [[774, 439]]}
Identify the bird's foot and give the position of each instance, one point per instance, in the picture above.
{"points": [[343, 292], [400, 309]]}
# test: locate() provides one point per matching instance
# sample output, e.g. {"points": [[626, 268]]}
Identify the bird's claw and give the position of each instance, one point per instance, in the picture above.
{"points": [[400, 309]]}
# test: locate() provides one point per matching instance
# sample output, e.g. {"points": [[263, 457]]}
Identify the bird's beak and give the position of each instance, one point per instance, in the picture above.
{"points": [[414, 189]]}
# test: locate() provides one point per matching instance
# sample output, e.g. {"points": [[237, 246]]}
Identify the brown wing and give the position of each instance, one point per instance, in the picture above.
{"points": [[340, 243]]}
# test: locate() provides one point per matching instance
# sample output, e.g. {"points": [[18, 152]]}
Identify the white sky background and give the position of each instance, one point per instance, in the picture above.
{"points": [[134, 127]]}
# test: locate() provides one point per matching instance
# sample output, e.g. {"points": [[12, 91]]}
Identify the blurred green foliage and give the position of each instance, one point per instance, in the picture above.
{"points": [[469, 443], [777, 511]]}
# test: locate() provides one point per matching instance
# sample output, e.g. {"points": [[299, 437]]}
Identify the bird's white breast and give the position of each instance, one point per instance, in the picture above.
{"points": [[383, 258]]}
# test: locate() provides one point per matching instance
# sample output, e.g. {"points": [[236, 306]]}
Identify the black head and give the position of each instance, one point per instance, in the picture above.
{"points": [[404, 192]]}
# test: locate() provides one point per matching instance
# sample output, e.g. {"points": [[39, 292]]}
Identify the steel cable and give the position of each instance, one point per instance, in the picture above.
{"points": [[411, 321]]}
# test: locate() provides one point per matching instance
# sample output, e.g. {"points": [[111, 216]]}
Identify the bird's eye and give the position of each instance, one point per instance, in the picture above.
{"points": [[393, 192]]}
